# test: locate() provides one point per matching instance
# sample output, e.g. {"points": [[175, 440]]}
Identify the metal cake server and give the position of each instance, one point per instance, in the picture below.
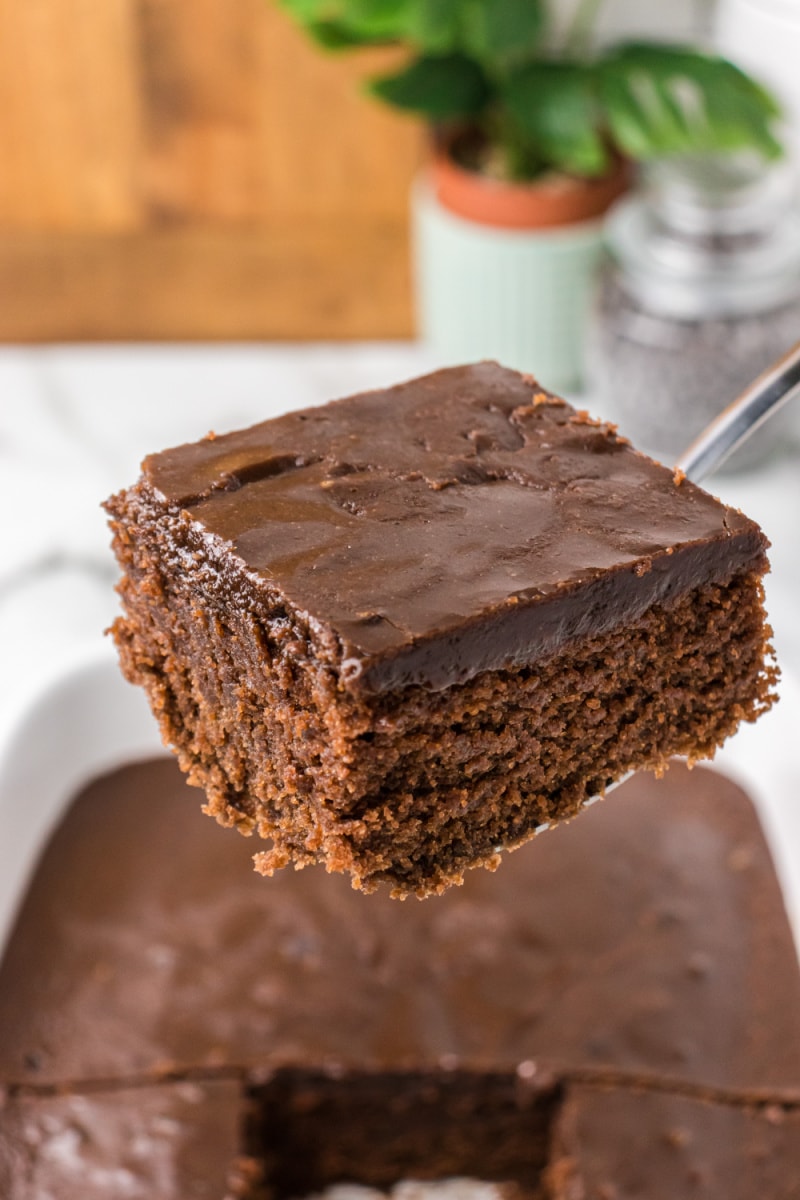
{"points": [[735, 424]]}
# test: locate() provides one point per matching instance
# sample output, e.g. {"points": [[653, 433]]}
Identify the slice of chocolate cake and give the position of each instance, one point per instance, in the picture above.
{"points": [[403, 631], [170, 1027]]}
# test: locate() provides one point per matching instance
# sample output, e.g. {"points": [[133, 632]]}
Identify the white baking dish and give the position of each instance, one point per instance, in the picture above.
{"points": [[87, 720], [84, 722]]}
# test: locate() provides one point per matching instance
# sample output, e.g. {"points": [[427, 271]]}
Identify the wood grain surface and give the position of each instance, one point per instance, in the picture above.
{"points": [[195, 169]]}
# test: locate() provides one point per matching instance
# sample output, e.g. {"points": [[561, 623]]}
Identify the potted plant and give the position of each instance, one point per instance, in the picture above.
{"points": [[533, 137]]}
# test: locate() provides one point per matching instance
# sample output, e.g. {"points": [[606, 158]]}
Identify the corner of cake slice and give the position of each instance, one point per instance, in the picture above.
{"points": [[400, 632]]}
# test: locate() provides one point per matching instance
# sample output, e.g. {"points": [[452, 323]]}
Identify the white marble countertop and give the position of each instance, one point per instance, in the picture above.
{"points": [[76, 421]]}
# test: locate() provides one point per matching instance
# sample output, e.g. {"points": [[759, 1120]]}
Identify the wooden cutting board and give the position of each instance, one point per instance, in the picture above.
{"points": [[195, 169]]}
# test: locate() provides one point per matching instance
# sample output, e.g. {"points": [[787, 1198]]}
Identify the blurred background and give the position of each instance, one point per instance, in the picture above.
{"points": [[176, 170], [199, 170]]}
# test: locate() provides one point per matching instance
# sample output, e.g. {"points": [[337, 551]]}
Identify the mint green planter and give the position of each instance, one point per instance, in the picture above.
{"points": [[520, 297]]}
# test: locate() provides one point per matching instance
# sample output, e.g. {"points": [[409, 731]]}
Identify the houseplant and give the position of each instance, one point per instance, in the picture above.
{"points": [[532, 139]]}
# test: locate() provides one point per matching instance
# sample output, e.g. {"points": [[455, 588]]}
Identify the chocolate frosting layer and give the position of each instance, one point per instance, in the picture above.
{"points": [[175, 1141], [652, 1146], [460, 522], [647, 937]]}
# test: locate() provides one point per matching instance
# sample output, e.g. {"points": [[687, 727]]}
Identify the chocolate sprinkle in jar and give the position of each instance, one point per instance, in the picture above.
{"points": [[700, 293]]}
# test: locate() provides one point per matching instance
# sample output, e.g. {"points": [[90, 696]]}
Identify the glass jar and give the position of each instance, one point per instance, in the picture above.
{"points": [[699, 293]]}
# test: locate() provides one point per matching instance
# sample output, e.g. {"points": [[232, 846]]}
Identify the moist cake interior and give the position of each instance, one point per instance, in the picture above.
{"points": [[512, 750], [310, 1131]]}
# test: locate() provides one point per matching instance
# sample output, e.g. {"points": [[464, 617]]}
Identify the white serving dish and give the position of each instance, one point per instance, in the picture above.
{"points": [[87, 720]]}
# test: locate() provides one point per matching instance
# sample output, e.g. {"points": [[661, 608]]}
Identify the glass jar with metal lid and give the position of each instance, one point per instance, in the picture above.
{"points": [[700, 292]]}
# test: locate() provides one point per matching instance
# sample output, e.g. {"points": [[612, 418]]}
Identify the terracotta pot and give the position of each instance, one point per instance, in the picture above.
{"points": [[554, 200], [505, 271]]}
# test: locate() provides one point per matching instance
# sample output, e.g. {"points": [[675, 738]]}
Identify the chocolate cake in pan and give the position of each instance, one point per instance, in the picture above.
{"points": [[618, 1007]]}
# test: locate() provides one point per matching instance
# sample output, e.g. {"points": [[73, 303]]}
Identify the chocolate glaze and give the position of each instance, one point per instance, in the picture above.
{"points": [[177, 1141], [647, 938], [461, 522], [654, 1146]]}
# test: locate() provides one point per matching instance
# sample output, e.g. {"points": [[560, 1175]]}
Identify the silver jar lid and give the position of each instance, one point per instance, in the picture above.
{"points": [[709, 238]]}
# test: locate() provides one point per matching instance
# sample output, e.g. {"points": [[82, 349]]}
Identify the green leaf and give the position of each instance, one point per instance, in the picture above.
{"points": [[663, 100], [340, 24], [644, 120], [332, 35], [313, 12], [435, 25], [502, 31], [440, 87], [378, 19], [554, 104]]}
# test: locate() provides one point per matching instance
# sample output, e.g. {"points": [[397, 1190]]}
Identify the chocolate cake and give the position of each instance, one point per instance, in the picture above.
{"points": [[403, 631], [167, 1141], [170, 1026], [637, 1145]]}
